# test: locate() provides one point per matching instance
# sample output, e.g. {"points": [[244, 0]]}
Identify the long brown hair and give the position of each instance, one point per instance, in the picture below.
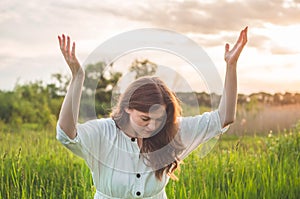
{"points": [[160, 151]]}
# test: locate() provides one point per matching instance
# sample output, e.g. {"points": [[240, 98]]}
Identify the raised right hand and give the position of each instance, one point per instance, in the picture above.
{"points": [[69, 55]]}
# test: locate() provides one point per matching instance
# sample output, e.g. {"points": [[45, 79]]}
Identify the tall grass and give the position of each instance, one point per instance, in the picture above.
{"points": [[251, 167], [35, 165]]}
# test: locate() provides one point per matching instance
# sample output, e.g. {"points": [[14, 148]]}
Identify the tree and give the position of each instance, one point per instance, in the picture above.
{"points": [[6, 107], [143, 68], [100, 79], [29, 105], [59, 86]]}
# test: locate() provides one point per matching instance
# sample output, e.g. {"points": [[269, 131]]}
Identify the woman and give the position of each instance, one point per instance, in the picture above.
{"points": [[135, 152]]}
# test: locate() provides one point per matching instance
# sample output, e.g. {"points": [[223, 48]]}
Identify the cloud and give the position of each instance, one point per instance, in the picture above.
{"points": [[28, 30], [210, 23], [220, 17], [282, 50], [258, 41], [202, 17], [184, 16]]}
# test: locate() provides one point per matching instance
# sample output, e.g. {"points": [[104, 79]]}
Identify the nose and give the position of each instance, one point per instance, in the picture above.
{"points": [[151, 125]]}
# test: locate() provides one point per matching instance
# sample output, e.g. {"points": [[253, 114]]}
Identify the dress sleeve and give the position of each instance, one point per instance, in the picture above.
{"points": [[199, 129], [87, 142]]}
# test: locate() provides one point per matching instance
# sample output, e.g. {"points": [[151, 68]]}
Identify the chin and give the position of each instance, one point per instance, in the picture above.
{"points": [[148, 134]]}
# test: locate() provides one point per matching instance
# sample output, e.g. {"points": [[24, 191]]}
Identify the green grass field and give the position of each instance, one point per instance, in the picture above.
{"points": [[36, 165]]}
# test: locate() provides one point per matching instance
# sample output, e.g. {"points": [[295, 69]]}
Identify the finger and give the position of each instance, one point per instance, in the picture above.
{"points": [[63, 43], [245, 35], [240, 37], [59, 40], [239, 41], [226, 47], [242, 40], [73, 50], [68, 46]]}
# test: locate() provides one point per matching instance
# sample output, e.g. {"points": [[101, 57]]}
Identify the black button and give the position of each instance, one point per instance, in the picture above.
{"points": [[132, 139], [138, 175], [138, 193]]}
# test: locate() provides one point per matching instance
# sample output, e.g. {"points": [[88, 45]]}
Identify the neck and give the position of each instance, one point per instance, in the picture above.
{"points": [[132, 134], [129, 132]]}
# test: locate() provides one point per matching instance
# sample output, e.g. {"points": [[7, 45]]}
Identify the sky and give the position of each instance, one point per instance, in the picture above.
{"points": [[269, 63]]}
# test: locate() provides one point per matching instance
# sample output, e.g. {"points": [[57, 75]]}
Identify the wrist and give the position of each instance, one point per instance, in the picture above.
{"points": [[80, 75], [232, 65]]}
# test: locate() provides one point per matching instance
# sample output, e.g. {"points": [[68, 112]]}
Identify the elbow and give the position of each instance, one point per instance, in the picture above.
{"points": [[228, 121], [69, 130], [226, 118]]}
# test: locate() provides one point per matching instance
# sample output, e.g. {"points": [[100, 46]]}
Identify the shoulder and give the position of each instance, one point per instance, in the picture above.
{"points": [[98, 125], [105, 122], [203, 116], [100, 122], [202, 119]]}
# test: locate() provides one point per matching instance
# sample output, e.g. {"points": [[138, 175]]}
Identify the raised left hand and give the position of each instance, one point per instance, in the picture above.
{"points": [[231, 56]]}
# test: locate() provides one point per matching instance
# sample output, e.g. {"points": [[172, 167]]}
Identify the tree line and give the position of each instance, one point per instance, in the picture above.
{"points": [[36, 106]]}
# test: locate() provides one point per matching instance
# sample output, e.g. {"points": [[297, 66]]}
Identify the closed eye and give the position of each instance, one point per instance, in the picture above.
{"points": [[145, 119]]}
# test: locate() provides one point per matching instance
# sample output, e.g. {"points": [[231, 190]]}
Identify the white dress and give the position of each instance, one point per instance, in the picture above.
{"points": [[114, 158]]}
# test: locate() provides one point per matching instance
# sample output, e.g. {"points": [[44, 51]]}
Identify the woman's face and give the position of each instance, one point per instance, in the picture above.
{"points": [[148, 124]]}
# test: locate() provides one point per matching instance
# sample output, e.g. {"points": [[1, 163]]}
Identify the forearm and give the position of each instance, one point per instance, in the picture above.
{"points": [[68, 116], [227, 106]]}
